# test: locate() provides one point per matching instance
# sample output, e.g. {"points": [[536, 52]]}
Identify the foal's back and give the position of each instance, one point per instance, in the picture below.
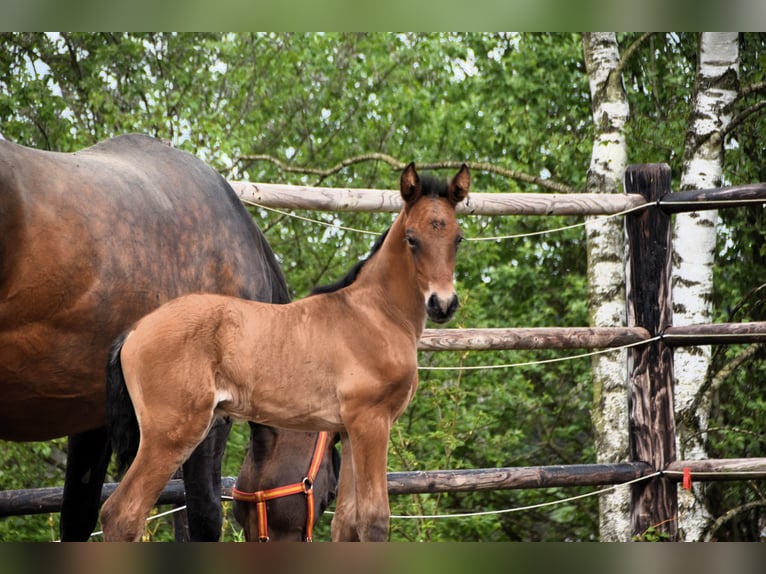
{"points": [[248, 360]]}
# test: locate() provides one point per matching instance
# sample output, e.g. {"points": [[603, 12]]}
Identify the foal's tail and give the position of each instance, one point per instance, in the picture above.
{"points": [[120, 416]]}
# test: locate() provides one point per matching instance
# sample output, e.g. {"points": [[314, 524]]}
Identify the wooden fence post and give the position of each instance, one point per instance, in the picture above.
{"points": [[654, 503]]}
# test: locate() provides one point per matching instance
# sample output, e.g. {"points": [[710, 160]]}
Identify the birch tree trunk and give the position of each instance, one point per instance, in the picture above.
{"points": [[694, 239], [606, 272]]}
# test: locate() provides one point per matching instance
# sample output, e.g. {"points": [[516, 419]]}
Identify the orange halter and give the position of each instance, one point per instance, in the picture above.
{"points": [[305, 486]]}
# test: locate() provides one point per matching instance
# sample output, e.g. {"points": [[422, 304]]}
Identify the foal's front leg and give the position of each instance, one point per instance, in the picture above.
{"points": [[369, 434]]}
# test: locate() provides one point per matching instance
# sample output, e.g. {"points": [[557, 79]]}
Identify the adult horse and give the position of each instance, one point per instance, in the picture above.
{"points": [[344, 361], [92, 241]]}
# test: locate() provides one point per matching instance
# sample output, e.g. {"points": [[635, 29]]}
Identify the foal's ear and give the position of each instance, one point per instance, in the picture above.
{"points": [[460, 185], [409, 184]]}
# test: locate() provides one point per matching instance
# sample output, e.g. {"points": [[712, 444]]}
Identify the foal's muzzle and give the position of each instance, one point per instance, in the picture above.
{"points": [[441, 310]]}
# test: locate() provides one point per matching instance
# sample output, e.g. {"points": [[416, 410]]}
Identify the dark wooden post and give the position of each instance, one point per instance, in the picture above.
{"points": [[654, 503]]}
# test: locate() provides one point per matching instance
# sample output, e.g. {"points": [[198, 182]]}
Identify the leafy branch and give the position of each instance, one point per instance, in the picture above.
{"points": [[616, 74], [397, 165], [743, 115], [714, 382], [753, 88]]}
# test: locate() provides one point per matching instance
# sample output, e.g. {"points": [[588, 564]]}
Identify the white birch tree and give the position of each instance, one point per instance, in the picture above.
{"points": [[606, 271], [694, 240]]}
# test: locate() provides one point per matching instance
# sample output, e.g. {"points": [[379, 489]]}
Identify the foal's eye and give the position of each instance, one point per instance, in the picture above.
{"points": [[411, 241], [459, 239]]}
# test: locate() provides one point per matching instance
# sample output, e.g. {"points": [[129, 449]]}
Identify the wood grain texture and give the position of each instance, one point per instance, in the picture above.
{"points": [[500, 339], [715, 334], [650, 367], [717, 198], [345, 199]]}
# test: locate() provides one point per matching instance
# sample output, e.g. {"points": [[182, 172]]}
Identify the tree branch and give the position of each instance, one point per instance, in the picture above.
{"points": [[752, 89], [724, 518], [743, 115], [396, 164], [616, 74], [713, 383]]}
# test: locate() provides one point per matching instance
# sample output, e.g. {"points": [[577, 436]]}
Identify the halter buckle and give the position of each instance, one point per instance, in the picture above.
{"points": [[308, 484]]}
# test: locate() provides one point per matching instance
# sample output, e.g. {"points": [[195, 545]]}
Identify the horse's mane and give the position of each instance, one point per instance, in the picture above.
{"points": [[431, 186], [353, 273]]}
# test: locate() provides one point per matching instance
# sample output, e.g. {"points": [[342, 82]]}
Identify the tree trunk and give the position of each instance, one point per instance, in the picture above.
{"points": [[694, 239], [606, 272]]}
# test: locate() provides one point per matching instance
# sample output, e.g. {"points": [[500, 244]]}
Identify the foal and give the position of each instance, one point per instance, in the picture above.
{"points": [[341, 362]]}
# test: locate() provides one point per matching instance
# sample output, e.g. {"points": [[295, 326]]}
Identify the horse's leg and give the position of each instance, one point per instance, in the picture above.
{"points": [[369, 433], [180, 521], [88, 456], [343, 524], [202, 481], [370, 453], [166, 442]]}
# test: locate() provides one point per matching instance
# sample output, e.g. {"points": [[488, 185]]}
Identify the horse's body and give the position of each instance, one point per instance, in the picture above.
{"points": [[92, 241], [343, 362]]}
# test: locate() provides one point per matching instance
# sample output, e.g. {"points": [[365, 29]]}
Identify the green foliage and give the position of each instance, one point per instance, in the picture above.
{"points": [[519, 101], [31, 465], [652, 534]]}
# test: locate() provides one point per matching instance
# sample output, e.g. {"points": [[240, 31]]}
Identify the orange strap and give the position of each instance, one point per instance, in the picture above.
{"points": [[306, 486]]}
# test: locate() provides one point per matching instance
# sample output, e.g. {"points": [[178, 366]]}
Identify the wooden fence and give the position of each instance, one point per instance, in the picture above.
{"points": [[648, 204]]}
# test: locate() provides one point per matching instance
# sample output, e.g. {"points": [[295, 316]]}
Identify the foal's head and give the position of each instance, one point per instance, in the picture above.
{"points": [[433, 235]]}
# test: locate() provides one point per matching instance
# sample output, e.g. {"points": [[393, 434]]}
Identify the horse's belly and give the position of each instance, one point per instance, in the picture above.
{"points": [[293, 416], [45, 393], [42, 420], [287, 408]]}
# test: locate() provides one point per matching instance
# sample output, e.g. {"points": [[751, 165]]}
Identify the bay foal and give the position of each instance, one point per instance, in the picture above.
{"points": [[342, 362]]}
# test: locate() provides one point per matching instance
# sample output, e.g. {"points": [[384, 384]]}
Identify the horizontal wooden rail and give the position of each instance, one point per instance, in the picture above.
{"points": [[377, 200], [471, 480], [718, 469], [388, 201], [715, 334], [717, 198], [46, 500], [503, 339], [530, 338]]}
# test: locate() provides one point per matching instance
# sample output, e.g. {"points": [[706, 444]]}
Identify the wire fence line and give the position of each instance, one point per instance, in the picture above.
{"points": [[586, 222]]}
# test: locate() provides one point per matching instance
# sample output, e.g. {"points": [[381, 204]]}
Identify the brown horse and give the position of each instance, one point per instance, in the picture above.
{"points": [[343, 362], [89, 243], [263, 501]]}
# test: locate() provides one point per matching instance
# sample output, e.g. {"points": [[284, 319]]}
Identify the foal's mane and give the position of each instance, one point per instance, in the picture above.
{"points": [[353, 273], [431, 187]]}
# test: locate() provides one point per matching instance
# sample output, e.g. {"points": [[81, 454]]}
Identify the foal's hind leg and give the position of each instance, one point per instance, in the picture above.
{"points": [[202, 481], [160, 453]]}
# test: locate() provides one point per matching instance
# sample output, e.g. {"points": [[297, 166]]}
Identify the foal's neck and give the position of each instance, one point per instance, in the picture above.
{"points": [[390, 279]]}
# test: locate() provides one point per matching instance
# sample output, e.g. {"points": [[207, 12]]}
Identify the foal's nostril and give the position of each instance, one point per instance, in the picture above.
{"points": [[441, 310], [452, 307], [434, 306]]}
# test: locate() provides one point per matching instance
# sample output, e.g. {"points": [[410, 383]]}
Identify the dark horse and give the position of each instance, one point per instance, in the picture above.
{"points": [[91, 242]]}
